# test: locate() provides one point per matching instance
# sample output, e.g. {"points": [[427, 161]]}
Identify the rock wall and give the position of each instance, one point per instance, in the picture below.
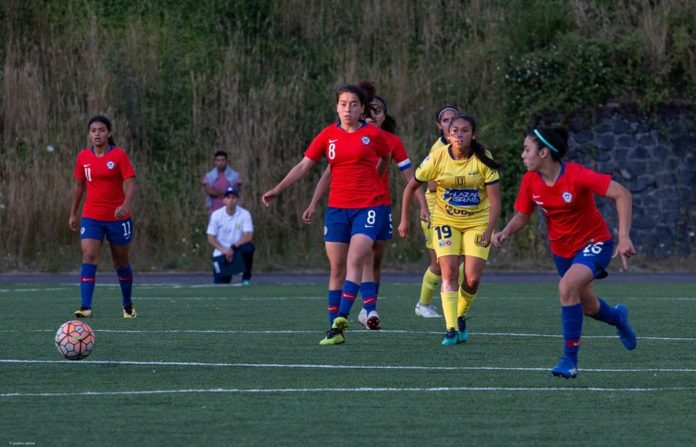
{"points": [[654, 156]]}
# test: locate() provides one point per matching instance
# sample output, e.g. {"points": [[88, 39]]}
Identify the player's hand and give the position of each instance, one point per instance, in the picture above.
{"points": [[498, 238], [268, 196], [403, 228], [121, 212], [626, 250], [308, 213], [72, 223], [486, 238], [425, 215], [229, 254]]}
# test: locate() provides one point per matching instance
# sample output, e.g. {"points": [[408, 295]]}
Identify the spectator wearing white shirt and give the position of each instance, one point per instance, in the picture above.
{"points": [[230, 232]]}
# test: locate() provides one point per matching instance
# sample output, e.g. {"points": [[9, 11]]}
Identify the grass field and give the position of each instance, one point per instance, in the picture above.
{"points": [[242, 366]]}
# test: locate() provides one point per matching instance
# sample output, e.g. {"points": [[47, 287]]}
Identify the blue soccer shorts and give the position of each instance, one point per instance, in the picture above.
{"points": [[340, 224], [117, 232], [595, 256]]}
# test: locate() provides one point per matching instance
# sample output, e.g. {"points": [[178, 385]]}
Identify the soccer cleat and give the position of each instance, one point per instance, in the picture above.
{"points": [[369, 321], [362, 318], [83, 312], [427, 311], [246, 282], [463, 333], [566, 368], [129, 312], [450, 338], [624, 329], [333, 337]]}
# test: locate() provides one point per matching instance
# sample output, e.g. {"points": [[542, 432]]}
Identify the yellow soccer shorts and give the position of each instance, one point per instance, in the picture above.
{"points": [[448, 240]]}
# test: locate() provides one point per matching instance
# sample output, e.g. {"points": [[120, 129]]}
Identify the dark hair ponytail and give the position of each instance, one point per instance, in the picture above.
{"points": [[555, 138], [105, 121], [476, 147]]}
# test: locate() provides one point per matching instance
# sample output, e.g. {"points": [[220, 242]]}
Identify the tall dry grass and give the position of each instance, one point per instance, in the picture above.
{"points": [[254, 79]]}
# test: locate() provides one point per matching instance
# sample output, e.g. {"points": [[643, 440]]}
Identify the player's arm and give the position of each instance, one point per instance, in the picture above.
{"points": [[493, 191], [409, 190], [319, 192], [296, 173], [211, 191], [130, 188], [407, 174], [624, 214], [77, 193], [515, 224]]}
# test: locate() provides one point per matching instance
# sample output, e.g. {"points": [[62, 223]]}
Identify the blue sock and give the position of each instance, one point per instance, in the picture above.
{"points": [[88, 274], [606, 313], [334, 302], [571, 317], [376, 288], [125, 280], [368, 290], [350, 290]]}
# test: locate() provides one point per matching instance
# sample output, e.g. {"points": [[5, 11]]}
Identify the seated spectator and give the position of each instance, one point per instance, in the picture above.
{"points": [[216, 182], [230, 231]]}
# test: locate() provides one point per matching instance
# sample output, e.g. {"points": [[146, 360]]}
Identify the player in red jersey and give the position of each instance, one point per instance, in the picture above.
{"points": [[356, 153], [105, 171], [581, 243], [377, 115]]}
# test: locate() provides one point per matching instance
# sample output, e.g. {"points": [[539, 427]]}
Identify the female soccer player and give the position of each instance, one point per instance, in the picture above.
{"points": [[431, 279], [354, 150], [372, 271], [107, 172], [580, 240], [466, 211]]}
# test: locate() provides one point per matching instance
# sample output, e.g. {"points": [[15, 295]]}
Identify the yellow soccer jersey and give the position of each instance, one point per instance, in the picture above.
{"points": [[461, 199], [430, 195]]}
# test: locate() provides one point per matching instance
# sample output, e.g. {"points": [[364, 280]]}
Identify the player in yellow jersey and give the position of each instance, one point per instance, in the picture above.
{"points": [[467, 208], [431, 279]]}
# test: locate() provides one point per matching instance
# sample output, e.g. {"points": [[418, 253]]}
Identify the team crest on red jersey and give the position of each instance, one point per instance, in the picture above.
{"points": [[365, 140], [567, 197], [110, 164]]}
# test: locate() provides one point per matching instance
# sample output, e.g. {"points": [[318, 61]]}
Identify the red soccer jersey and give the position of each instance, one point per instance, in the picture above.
{"points": [[572, 218], [104, 177], [399, 156], [353, 157]]}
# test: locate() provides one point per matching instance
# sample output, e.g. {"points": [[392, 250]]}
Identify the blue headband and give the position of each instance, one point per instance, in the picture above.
{"points": [[543, 140]]}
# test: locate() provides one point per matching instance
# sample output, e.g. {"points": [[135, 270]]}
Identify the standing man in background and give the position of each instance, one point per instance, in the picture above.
{"points": [[216, 182]]}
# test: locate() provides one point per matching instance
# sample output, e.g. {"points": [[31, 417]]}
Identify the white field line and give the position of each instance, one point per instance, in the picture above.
{"points": [[360, 331], [346, 390], [327, 366]]}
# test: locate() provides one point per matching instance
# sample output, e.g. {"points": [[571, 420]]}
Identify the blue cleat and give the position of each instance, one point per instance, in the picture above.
{"points": [[566, 368], [451, 338], [463, 333], [624, 329]]}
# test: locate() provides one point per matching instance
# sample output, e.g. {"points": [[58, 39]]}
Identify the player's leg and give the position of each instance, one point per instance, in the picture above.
{"points": [[475, 256], [120, 234], [575, 278], [448, 294], [336, 239], [597, 257], [369, 317], [431, 279], [91, 239]]}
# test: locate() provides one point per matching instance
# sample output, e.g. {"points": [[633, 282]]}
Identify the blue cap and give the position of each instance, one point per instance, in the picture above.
{"points": [[231, 190]]}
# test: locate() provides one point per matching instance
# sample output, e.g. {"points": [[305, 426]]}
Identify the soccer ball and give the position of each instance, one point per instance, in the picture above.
{"points": [[74, 340]]}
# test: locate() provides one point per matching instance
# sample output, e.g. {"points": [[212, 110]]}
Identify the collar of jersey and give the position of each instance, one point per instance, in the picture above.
{"points": [[362, 124], [563, 166], [111, 146]]}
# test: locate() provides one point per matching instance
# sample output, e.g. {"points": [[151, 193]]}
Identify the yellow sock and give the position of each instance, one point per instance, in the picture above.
{"points": [[464, 302], [461, 275], [431, 281], [449, 308]]}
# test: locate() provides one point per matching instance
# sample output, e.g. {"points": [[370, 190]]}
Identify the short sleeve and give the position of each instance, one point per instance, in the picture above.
{"points": [[317, 148], [593, 181], [427, 170]]}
